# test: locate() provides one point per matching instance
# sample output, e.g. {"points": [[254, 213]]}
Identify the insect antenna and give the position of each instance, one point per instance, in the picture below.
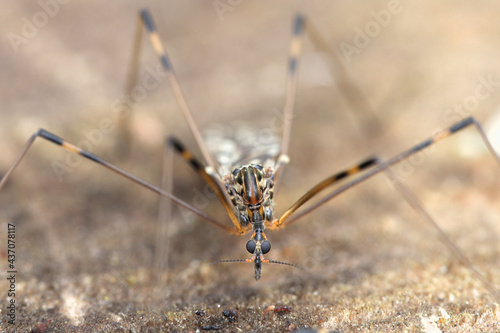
{"points": [[267, 261], [270, 261]]}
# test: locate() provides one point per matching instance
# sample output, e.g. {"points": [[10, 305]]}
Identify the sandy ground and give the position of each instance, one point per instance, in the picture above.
{"points": [[87, 240]]}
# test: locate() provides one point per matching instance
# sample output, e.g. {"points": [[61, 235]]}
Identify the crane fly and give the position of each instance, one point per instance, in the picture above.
{"points": [[245, 175]]}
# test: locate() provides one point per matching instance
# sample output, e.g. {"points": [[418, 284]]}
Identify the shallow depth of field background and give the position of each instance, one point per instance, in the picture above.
{"points": [[86, 241]]}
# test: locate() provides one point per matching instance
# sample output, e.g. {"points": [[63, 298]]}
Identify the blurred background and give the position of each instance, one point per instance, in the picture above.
{"points": [[87, 239]]}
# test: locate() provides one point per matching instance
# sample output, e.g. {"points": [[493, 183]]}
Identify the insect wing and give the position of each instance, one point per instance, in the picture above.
{"points": [[234, 146]]}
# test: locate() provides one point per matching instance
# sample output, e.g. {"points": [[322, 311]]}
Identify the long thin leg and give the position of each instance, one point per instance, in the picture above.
{"points": [[201, 170], [379, 166], [291, 91], [124, 137], [419, 208], [146, 20], [161, 256], [174, 83], [322, 186], [287, 217], [165, 210], [351, 92], [291, 81], [77, 150]]}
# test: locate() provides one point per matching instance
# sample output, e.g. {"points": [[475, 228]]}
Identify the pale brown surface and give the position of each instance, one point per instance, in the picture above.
{"points": [[85, 245]]}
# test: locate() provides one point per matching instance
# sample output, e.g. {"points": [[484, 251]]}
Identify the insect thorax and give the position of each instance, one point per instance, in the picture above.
{"points": [[250, 188]]}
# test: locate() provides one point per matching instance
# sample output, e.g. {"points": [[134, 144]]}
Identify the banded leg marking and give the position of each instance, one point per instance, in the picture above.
{"points": [[321, 186], [94, 158], [146, 20], [200, 169], [378, 166]]}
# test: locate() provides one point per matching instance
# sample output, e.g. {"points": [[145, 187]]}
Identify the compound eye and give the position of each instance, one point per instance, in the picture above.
{"points": [[251, 246], [265, 246]]}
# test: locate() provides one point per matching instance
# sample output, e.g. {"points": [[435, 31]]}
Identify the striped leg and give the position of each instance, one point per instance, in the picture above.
{"points": [[146, 20], [161, 255], [291, 90], [324, 184], [377, 167], [211, 180], [348, 89], [174, 83], [94, 158], [291, 81]]}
